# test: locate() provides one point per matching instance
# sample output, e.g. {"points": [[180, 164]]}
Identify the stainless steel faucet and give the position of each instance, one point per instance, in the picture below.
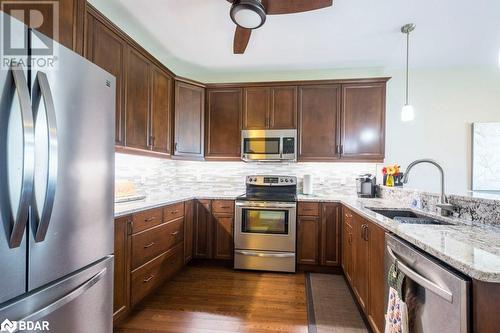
{"points": [[446, 208]]}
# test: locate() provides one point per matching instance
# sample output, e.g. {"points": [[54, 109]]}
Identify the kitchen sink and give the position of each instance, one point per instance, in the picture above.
{"points": [[408, 217]]}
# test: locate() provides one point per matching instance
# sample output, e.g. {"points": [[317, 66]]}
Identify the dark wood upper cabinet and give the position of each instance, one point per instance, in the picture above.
{"points": [[270, 107], [319, 110], [161, 115], [256, 108], [137, 100], [107, 50], [330, 234], [189, 120], [308, 232], [223, 123], [283, 107], [363, 121]]}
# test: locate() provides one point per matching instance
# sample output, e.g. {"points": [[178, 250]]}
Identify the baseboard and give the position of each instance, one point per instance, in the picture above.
{"points": [[320, 269]]}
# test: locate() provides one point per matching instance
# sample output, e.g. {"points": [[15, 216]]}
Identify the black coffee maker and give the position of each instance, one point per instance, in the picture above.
{"points": [[366, 186]]}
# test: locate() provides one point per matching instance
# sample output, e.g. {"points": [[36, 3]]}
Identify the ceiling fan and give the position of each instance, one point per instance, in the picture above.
{"points": [[251, 14]]}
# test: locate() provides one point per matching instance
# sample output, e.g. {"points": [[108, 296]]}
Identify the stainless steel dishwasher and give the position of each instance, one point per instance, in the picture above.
{"points": [[437, 297]]}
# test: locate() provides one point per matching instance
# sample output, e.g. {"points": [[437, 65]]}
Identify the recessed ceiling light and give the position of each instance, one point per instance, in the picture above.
{"points": [[249, 14]]}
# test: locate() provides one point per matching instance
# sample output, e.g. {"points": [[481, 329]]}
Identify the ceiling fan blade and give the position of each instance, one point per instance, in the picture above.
{"points": [[275, 7], [241, 38]]}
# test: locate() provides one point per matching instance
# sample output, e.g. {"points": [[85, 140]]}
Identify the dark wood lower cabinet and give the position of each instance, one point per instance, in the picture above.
{"points": [[318, 235], [188, 230], [330, 234], [307, 240], [121, 294], [360, 276], [202, 229], [347, 245], [213, 229], [363, 245], [376, 277], [223, 236]]}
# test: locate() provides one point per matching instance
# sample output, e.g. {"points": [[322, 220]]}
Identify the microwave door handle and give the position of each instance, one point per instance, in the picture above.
{"points": [[42, 87], [419, 279], [21, 218]]}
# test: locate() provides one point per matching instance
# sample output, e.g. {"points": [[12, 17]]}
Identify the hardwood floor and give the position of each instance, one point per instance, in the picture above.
{"points": [[218, 299]]}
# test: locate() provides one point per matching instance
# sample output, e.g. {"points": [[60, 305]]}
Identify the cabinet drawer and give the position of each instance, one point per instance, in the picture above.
{"points": [[223, 206], [175, 232], [308, 209], [149, 276], [147, 219], [173, 212], [149, 244]]}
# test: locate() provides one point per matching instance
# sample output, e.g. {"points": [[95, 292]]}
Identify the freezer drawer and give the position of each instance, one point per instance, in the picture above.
{"points": [[80, 303], [437, 296]]}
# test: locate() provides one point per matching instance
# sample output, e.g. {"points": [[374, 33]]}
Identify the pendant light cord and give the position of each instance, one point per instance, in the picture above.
{"points": [[407, 66]]}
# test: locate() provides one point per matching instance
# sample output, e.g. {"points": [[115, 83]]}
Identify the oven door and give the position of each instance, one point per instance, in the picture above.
{"points": [[266, 226]]}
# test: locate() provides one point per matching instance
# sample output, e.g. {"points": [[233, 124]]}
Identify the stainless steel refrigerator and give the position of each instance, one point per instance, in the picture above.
{"points": [[56, 190]]}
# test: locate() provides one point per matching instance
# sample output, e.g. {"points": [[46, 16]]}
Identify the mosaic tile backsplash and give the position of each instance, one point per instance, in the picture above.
{"points": [[153, 175]]}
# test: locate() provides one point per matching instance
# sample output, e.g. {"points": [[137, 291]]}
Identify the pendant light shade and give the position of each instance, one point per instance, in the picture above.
{"points": [[407, 113]]}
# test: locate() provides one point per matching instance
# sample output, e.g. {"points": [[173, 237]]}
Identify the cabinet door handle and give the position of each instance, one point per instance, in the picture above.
{"points": [[150, 219], [149, 245], [175, 233], [175, 146], [149, 278], [174, 212]]}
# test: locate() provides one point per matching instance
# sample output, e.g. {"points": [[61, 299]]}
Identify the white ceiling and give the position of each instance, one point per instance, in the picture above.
{"points": [[351, 34]]}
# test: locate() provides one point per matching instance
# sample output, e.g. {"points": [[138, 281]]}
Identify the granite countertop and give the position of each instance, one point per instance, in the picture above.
{"points": [[470, 248]]}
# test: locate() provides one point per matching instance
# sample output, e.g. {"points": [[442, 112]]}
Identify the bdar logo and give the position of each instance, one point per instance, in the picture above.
{"points": [[8, 326]]}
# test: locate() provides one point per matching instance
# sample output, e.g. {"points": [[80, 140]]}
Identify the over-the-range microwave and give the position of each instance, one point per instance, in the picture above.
{"points": [[269, 145]]}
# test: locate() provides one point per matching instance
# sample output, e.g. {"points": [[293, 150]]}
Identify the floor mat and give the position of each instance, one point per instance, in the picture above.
{"points": [[331, 308]]}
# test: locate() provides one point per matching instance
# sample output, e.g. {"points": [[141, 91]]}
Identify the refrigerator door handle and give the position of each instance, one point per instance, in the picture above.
{"points": [[19, 223], [75, 293], [42, 87]]}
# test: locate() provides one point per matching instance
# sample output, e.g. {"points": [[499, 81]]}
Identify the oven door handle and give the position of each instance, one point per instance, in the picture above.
{"points": [[419, 279], [265, 255], [270, 205]]}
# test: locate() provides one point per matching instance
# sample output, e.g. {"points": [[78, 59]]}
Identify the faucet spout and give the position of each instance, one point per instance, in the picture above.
{"points": [[446, 208]]}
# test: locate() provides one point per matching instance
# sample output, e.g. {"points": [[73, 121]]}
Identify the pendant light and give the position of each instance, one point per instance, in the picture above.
{"points": [[407, 113]]}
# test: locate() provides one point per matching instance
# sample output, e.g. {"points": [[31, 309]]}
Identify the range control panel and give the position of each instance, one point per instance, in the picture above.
{"points": [[271, 180]]}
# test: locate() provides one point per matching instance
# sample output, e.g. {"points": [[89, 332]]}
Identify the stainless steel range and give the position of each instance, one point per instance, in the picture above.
{"points": [[265, 224]]}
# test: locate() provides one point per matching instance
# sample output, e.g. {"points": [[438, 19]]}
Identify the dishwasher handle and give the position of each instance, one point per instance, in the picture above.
{"points": [[424, 282]]}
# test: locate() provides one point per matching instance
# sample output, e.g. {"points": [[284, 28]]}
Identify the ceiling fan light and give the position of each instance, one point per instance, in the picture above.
{"points": [[249, 14]]}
